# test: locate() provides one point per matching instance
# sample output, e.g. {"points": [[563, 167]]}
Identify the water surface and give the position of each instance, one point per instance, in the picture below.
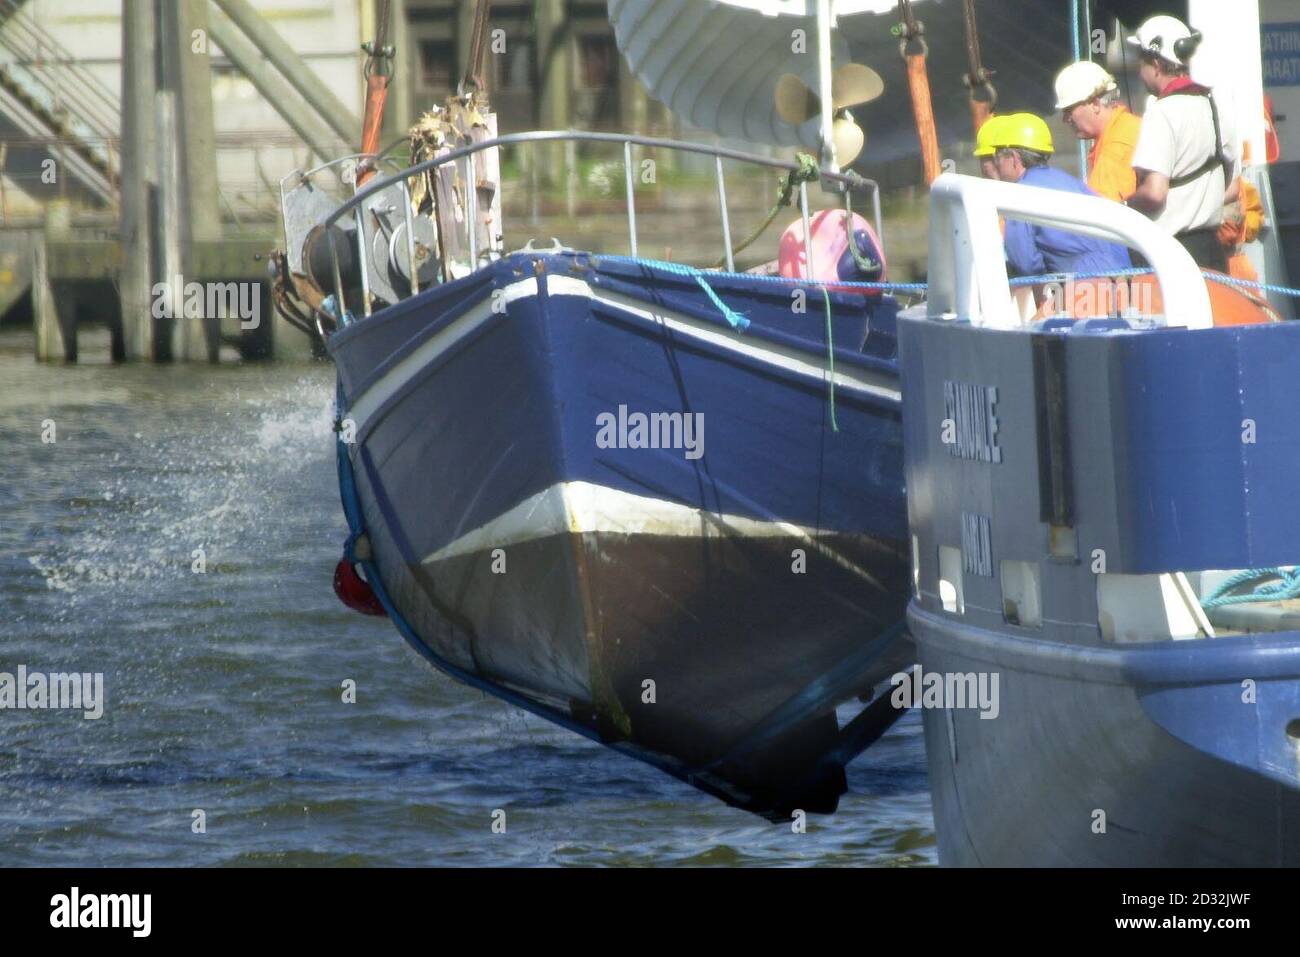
{"points": [[224, 689]]}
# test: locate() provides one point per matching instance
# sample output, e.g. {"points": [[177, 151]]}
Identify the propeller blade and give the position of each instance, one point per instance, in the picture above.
{"points": [[849, 138], [854, 84], [795, 102]]}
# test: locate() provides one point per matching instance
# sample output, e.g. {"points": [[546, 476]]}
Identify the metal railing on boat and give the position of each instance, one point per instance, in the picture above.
{"points": [[845, 182]]}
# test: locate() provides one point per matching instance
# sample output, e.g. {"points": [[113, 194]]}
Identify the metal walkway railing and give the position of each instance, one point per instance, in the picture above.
{"points": [[67, 98]]}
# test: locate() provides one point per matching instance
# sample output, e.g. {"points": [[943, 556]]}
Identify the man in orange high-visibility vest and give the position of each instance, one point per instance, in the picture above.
{"points": [[1088, 98]]}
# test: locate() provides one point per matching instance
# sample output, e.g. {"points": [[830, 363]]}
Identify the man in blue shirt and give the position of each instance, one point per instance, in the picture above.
{"points": [[1023, 156]]}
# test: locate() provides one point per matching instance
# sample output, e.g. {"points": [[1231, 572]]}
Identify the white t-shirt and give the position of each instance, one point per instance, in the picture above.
{"points": [[1177, 138]]}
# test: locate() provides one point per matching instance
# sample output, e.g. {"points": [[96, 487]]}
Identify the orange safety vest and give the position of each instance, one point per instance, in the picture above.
{"points": [[1111, 157]]}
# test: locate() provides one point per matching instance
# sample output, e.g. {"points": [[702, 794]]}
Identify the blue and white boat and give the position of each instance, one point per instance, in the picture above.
{"points": [[660, 506], [1084, 499], [657, 505]]}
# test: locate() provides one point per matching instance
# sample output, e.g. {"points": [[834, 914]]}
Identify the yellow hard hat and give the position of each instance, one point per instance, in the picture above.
{"points": [[1027, 132], [986, 141]]}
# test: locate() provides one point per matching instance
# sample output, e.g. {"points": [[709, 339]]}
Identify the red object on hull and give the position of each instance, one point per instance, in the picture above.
{"points": [[354, 591]]}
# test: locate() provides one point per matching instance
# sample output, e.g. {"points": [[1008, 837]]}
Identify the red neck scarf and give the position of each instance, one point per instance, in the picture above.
{"points": [[1184, 84]]}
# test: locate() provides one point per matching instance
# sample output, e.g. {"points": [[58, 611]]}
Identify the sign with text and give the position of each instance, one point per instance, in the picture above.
{"points": [[1280, 46]]}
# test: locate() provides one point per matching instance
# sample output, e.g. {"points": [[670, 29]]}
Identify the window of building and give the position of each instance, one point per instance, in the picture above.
{"points": [[597, 61], [438, 64], [513, 70]]}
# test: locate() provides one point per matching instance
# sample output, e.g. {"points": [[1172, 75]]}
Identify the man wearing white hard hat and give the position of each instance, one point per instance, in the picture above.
{"points": [[1088, 98], [1183, 157]]}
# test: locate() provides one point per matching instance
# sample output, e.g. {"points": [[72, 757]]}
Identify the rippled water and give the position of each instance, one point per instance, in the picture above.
{"points": [[224, 689]]}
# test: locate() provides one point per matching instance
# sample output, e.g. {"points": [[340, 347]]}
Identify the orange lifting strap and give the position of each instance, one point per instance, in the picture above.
{"points": [[983, 97], [914, 53], [378, 73]]}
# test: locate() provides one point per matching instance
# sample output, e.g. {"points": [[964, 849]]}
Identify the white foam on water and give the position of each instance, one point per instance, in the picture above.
{"points": [[202, 479]]}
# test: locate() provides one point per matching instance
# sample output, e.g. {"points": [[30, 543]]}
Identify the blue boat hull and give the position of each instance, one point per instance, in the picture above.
{"points": [[1159, 755], [1073, 490], [686, 604]]}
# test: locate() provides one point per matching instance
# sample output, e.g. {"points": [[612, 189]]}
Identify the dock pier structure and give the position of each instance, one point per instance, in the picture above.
{"points": [[149, 244]]}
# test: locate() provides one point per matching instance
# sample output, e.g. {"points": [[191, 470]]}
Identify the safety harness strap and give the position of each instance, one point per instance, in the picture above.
{"points": [[1217, 159]]}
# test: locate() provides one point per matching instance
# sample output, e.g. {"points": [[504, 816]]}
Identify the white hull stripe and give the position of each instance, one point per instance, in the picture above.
{"points": [[806, 364], [583, 507], [800, 362]]}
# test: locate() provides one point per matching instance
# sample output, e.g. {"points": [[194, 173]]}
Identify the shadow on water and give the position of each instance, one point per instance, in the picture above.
{"points": [[178, 536]]}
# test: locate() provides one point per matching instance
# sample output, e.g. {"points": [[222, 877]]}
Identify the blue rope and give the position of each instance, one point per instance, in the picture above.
{"points": [[682, 270], [1124, 273], [331, 308], [1251, 284], [1286, 587], [1063, 277], [736, 320]]}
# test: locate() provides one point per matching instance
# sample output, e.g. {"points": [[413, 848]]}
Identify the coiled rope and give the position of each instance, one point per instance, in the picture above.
{"points": [[1286, 586]]}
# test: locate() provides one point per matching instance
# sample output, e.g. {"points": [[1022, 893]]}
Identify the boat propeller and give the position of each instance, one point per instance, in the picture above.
{"points": [[851, 85]]}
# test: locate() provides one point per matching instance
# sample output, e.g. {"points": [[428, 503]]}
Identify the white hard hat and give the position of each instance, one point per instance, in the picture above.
{"points": [[1168, 38], [1080, 82]]}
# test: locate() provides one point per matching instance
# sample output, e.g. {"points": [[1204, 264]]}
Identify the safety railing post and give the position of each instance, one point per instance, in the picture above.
{"points": [[359, 217], [875, 206], [471, 211], [726, 221], [807, 230], [339, 301], [410, 237], [631, 202]]}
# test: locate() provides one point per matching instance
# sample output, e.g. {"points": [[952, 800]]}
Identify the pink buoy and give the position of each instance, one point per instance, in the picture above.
{"points": [[832, 260]]}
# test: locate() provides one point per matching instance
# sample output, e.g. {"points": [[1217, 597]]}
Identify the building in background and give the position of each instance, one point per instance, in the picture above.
{"points": [[61, 81], [580, 64]]}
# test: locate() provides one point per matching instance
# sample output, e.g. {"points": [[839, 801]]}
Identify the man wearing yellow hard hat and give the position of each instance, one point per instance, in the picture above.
{"points": [[986, 145], [1024, 152], [1088, 98]]}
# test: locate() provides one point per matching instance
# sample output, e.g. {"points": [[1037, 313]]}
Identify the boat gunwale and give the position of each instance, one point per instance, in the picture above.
{"points": [[1159, 662]]}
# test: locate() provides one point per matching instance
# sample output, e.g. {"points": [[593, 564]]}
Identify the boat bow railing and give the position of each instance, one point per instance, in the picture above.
{"points": [[845, 182]]}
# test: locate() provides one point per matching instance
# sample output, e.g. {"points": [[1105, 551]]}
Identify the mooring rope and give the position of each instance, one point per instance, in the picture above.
{"points": [[808, 172], [1286, 587], [735, 319]]}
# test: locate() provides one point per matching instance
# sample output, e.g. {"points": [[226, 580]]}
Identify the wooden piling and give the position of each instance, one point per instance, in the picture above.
{"points": [[48, 324], [138, 122]]}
